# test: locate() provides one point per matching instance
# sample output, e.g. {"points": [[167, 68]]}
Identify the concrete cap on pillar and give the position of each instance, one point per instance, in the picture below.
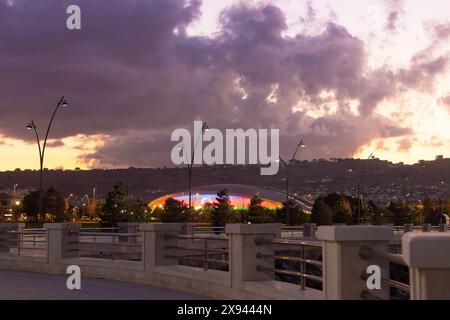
{"points": [[355, 233], [126, 224], [11, 225], [263, 228], [160, 227], [59, 226], [426, 250]]}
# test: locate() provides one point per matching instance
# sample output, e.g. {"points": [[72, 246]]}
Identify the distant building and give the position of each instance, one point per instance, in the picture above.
{"points": [[439, 157]]}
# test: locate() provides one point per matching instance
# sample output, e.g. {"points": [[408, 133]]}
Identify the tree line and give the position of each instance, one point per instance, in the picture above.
{"points": [[121, 205]]}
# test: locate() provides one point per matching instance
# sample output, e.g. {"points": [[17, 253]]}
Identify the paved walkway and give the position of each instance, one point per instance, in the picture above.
{"points": [[27, 286]]}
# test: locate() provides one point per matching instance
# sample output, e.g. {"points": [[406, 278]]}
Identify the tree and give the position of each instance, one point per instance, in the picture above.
{"points": [[321, 213], [376, 215], [175, 211], [430, 211], [297, 215], [343, 212], [221, 208], [55, 205], [120, 205], [399, 213], [30, 204], [256, 212]]}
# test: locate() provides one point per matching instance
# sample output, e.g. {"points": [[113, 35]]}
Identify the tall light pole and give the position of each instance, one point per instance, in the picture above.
{"points": [[358, 186], [190, 163], [32, 126], [94, 201], [286, 173], [14, 190]]}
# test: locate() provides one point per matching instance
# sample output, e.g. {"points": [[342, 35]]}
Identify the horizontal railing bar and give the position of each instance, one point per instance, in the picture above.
{"points": [[367, 252], [106, 251], [289, 258], [392, 283], [187, 237], [27, 248], [198, 259], [197, 249], [26, 232], [396, 284], [116, 244], [261, 241], [290, 273], [26, 241], [109, 234]]}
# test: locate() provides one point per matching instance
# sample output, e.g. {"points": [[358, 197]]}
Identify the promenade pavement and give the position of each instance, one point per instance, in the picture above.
{"points": [[31, 286]]}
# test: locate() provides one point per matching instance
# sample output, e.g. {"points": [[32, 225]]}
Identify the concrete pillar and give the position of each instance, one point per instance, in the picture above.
{"points": [[309, 231], [427, 256], [244, 250], [128, 227], [157, 244], [7, 238], [426, 227], [342, 264], [62, 241], [408, 227]]}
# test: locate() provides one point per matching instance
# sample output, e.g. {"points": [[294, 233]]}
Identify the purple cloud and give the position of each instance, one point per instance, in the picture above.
{"points": [[134, 74]]}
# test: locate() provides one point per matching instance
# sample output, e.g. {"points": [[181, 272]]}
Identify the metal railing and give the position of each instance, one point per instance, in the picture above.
{"points": [[110, 245], [111, 230], [208, 252], [301, 261], [292, 232], [28, 242], [367, 252]]}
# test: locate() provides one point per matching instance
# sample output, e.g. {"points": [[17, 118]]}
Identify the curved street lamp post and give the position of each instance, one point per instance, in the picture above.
{"points": [[285, 166], [190, 162], [32, 126], [358, 186]]}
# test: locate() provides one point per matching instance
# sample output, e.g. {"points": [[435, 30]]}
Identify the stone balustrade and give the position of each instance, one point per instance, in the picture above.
{"points": [[343, 263]]}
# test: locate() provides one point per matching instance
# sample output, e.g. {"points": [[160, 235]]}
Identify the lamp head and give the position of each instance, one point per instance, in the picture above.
{"points": [[64, 103], [30, 126]]}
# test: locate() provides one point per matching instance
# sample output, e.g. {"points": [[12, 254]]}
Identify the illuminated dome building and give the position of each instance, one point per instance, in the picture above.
{"points": [[240, 196]]}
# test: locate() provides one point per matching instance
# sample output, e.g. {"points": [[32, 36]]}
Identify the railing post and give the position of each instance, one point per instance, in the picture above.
{"points": [[441, 227], [62, 241], [309, 231], [6, 237], [128, 227], [426, 227], [188, 228], [407, 227], [155, 239], [342, 264], [427, 255], [244, 250]]}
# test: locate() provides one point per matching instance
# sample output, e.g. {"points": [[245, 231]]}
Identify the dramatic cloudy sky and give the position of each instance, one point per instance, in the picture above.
{"points": [[349, 77]]}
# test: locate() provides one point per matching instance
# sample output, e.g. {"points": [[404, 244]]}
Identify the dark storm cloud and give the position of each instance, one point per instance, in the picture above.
{"points": [[133, 74], [395, 10]]}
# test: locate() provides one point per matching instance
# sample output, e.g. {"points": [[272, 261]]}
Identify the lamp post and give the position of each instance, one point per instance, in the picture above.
{"points": [[285, 166], [191, 162], [94, 202], [358, 185], [32, 126]]}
